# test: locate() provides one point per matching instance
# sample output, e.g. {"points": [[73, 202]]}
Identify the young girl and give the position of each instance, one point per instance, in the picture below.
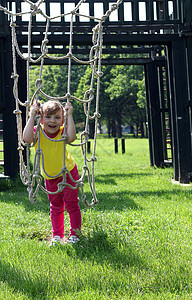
{"points": [[52, 120]]}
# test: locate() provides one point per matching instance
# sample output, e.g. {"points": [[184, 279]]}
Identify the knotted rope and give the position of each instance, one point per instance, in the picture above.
{"points": [[34, 181]]}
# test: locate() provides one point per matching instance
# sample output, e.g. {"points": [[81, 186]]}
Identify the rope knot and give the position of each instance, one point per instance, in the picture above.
{"points": [[97, 115], [99, 73], [64, 169], [44, 46], [114, 7], [91, 95], [64, 137], [5, 10], [61, 186], [68, 96], [14, 76], [96, 47], [95, 32], [78, 184], [96, 28], [17, 112], [27, 103], [20, 148], [39, 83], [35, 10], [93, 158], [69, 54], [90, 91], [85, 167], [107, 14], [84, 198], [85, 133], [38, 118], [12, 24], [73, 12], [38, 151], [94, 201]]}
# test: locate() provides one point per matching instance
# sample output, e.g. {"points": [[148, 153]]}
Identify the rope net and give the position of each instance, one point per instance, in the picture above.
{"points": [[33, 180]]}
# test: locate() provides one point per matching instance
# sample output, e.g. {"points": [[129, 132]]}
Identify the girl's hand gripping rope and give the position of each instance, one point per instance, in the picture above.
{"points": [[35, 109], [28, 132], [69, 108], [71, 130]]}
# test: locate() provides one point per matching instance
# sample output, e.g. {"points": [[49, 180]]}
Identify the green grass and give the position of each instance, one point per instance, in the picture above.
{"points": [[136, 243], [1, 148]]}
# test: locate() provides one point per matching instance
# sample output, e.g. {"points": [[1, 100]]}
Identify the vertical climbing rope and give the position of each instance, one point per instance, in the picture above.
{"points": [[34, 181]]}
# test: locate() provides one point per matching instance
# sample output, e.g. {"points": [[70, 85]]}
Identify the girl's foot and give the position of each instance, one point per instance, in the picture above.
{"points": [[56, 240], [73, 239]]}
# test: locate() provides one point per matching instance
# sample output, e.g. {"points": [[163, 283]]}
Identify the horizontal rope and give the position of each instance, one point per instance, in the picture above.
{"points": [[34, 181]]}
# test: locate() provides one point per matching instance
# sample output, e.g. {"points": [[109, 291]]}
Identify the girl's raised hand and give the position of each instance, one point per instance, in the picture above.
{"points": [[35, 108], [69, 108]]}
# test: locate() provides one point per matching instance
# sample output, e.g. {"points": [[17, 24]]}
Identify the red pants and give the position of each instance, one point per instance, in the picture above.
{"points": [[67, 198]]}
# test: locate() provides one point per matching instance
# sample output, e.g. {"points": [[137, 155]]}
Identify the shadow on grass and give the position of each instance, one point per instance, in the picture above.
{"points": [[32, 288], [107, 249], [98, 249], [17, 194], [121, 200], [114, 200], [117, 253], [114, 178]]}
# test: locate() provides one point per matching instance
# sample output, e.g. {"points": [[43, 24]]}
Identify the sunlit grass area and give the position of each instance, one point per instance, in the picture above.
{"points": [[136, 243]]}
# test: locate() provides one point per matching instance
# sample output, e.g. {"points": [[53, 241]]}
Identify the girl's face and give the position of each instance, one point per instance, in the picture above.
{"points": [[52, 122]]}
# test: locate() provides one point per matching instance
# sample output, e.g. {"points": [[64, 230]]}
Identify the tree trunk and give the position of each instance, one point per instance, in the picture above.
{"points": [[91, 129], [109, 128], [119, 131], [137, 131], [113, 128], [131, 129], [142, 130], [146, 130]]}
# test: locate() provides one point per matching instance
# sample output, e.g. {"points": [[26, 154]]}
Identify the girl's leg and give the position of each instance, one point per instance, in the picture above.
{"points": [[57, 207], [72, 203]]}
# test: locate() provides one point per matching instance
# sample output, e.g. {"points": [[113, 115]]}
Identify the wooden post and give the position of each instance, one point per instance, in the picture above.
{"points": [[149, 129], [154, 114], [116, 145], [172, 114], [7, 99], [88, 147], [123, 145], [181, 100], [9, 122]]}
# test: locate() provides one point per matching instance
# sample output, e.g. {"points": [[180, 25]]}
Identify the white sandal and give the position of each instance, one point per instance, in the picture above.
{"points": [[56, 240], [73, 239]]}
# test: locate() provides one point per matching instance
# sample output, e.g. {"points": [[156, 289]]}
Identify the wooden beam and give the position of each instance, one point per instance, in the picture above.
{"points": [[182, 124], [9, 122], [154, 114]]}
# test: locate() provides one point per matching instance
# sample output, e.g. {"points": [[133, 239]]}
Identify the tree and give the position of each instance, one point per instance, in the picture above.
{"points": [[106, 105], [123, 92], [121, 99], [55, 83], [141, 94]]}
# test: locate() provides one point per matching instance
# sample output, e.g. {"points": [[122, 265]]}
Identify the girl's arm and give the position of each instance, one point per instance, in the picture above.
{"points": [[28, 132], [71, 130]]}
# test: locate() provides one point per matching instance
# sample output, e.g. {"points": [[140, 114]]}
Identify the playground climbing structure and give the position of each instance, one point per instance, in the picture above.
{"points": [[157, 30]]}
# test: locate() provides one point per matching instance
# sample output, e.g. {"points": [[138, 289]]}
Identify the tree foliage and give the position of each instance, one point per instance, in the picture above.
{"points": [[55, 83], [122, 91]]}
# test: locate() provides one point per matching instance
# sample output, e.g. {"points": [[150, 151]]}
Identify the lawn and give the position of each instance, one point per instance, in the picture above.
{"points": [[136, 243]]}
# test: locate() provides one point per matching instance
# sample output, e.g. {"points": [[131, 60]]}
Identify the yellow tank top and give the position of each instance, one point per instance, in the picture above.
{"points": [[53, 155]]}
